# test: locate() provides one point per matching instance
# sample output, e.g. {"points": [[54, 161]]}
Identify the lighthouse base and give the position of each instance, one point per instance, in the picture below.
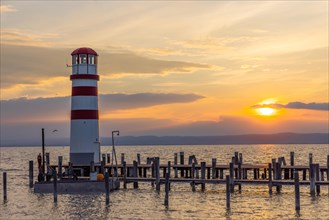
{"points": [[78, 186]]}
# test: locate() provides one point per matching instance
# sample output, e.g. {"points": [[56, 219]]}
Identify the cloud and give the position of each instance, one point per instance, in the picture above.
{"points": [[58, 108], [29, 65], [297, 105], [7, 8]]}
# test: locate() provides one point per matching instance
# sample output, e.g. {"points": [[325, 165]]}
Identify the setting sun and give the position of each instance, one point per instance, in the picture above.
{"points": [[266, 111]]}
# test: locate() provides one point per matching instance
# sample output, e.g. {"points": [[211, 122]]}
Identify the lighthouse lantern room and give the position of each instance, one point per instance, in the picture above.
{"points": [[84, 133]]}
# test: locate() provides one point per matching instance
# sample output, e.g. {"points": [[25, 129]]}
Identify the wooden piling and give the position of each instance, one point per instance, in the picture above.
{"points": [[297, 194], [240, 158], [135, 174], [236, 158], [122, 157], [292, 163], [213, 165], [60, 163], [278, 176], [169, 172], [175, 163], [31, 173], [167, 183], [138, 158], [181, 159], [192, 176], [228, 192], [310, 162], [124, 170], [270, 184], [312, 179], [239, 175], [107, 188], [317, 178], [47, 159], [4, 186], [328, 169], [231, 177], [55, 185], [108, 157], [157, 173], [203, 176]]}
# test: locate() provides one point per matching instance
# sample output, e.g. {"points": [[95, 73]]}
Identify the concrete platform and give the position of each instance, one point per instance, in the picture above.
{"points": [[75, 186]]}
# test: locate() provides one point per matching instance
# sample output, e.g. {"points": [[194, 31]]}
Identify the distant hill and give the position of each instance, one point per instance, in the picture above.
{"points": [[280, 138]]}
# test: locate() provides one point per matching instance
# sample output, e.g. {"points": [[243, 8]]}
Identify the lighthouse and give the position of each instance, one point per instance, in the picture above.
{"points": [[84, 131]]}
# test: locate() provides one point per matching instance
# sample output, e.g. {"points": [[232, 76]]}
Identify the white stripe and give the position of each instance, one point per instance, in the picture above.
{"points": [[84, 82], [84, 103]]}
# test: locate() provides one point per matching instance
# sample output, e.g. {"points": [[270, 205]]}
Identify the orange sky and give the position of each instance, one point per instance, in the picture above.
{"points": [[197, 68]]}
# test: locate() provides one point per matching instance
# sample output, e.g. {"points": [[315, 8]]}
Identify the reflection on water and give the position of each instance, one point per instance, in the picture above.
{"points": [[253, 202]]}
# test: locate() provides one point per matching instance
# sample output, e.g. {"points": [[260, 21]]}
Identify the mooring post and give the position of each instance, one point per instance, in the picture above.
{"points": [[310, 162], [55, 185], [60, 164], [175, 163], [138, 158], [270, 184], [135, 172], [157, 173], [317, 178], [181, 157], [124, 170], [169, 168], [213, 166], [312, 179], [203, 176], [278, 176], [4, 186], [274, 167], [292, 163], [297, 194], [240, 158], [231, 177], [239, 175], [31, 173], [107, 188], [167, 182], [193, 176], [236, 157], [122, 158], [228, 192], [108, 156], [153, 170]]}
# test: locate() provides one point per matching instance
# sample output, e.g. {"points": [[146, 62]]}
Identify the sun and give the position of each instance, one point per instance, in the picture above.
{"points": [[266, 111]]}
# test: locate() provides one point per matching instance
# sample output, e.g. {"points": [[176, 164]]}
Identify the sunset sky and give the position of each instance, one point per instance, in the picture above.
{"points": [[168, 67]]}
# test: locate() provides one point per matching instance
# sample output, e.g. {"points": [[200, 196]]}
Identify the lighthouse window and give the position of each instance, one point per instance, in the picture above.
{"points": [[91, 59], [75, 59], [83, 58]]}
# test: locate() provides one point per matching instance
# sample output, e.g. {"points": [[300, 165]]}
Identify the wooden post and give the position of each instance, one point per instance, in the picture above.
{"points": [[213, 165], [169, 168], [107, 188], [292, 163], [193, 176], [135, 172], [43, 151], [4, 186], [167, 189], [157, 173], [239, 175], [122, 158], [297, 194], [181, 158], [228, 192], [328, 169], [278, 176], [55, 185], [60, 163], [48, 158], [175, 163], [310, 162], [240, 158], [31, 173], [203, 176], [138, 158], [317, 178], [274, 167], [231, 177], [270, 184], [304, 174], [312, 179], [236, 157], [108, 156], [124, 170], [221, 174]]}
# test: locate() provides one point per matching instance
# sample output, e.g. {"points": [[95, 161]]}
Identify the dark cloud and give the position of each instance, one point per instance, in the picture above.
{"points": [[28, 65], [297, 105], [45, 109]]}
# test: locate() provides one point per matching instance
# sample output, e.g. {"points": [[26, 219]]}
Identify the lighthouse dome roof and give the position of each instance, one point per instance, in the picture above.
{"points": [[84, 50]]}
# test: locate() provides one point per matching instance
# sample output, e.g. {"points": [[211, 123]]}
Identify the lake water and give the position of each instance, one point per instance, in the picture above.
{"points": [[253, 202]]}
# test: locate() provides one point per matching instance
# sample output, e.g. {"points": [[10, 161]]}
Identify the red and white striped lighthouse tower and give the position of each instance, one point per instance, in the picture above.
{"points": [[84, 137]]}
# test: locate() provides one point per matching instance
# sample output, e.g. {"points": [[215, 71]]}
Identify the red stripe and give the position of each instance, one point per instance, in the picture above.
{"points": [[84, 114], [84, 91], [84, 76]]}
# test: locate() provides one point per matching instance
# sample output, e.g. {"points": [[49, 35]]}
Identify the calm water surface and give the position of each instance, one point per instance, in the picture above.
{"points": [[253, 202]]}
